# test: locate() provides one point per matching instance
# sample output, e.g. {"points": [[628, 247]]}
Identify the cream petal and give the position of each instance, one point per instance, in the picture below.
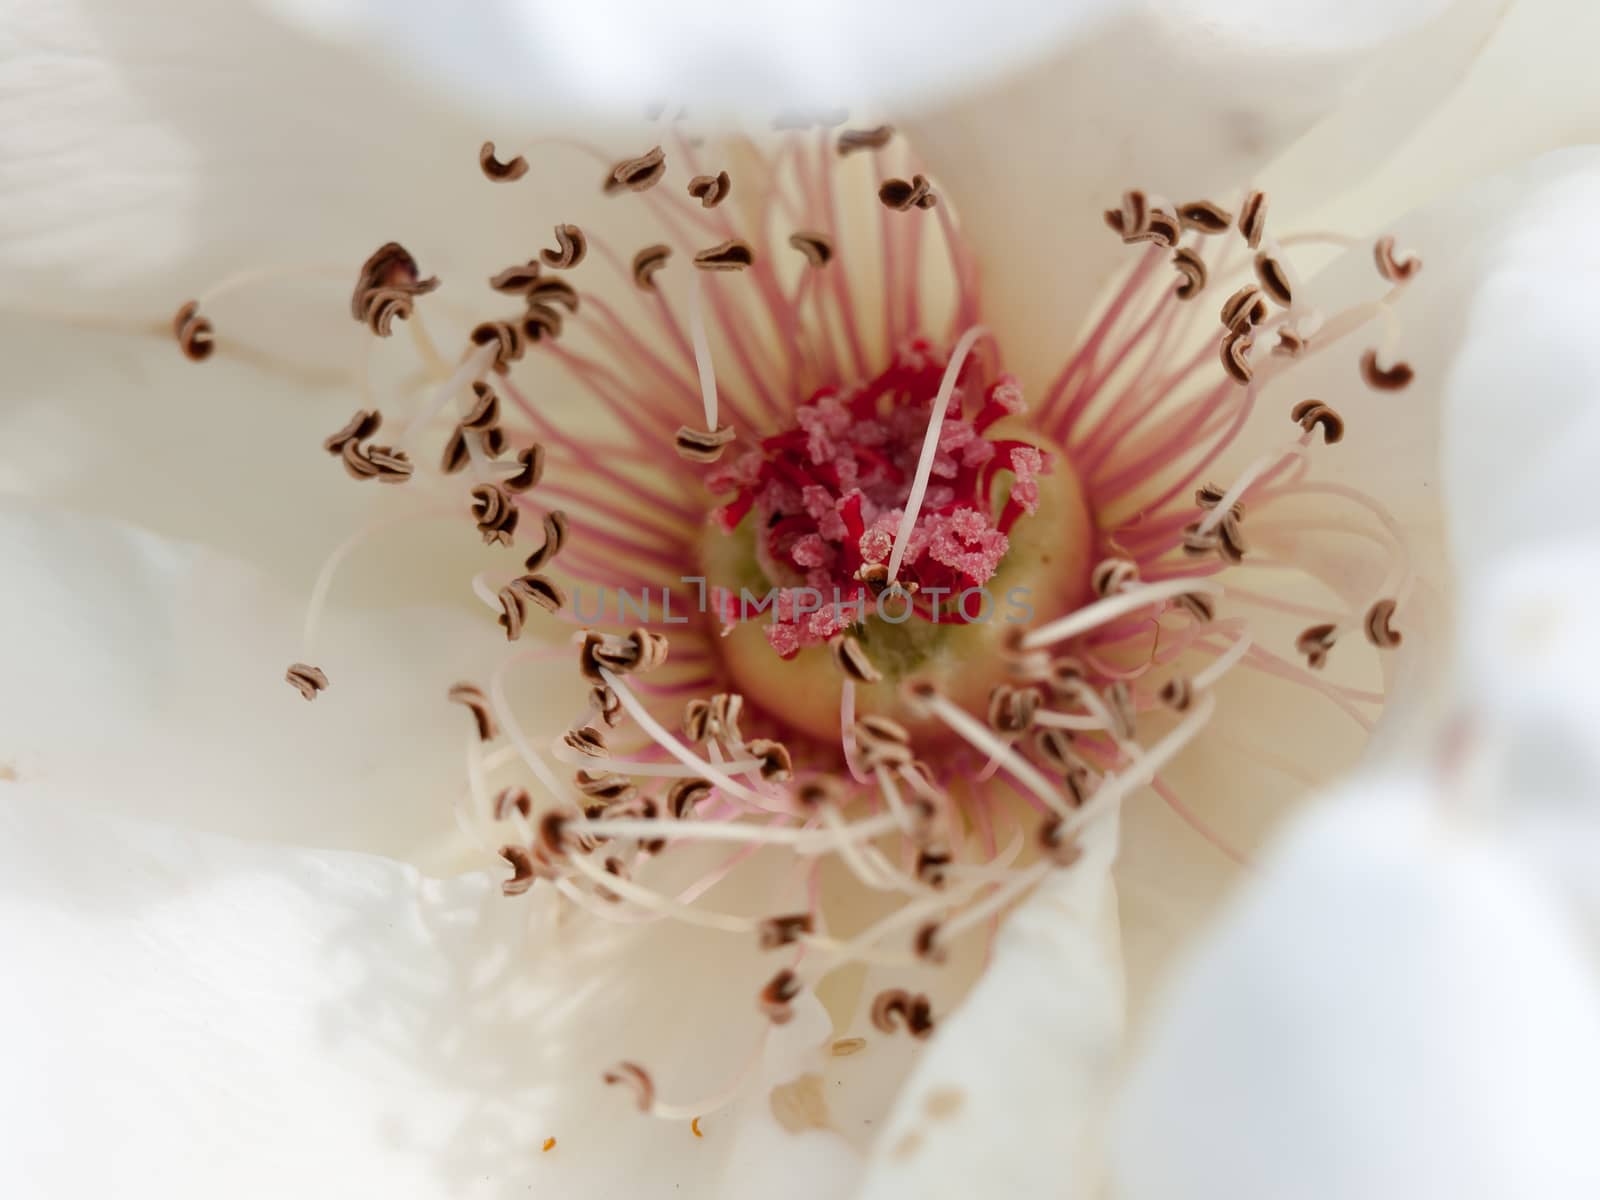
{"points": [[1007, 1099], [1395, 1008], [1179, 98], [147, 676]]}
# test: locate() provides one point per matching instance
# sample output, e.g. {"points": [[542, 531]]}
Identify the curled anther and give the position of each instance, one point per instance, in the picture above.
{"points": [[540, 591], [925, 943], [777, 932], [817, 247], [696, 722], [1113, 575], [647, 262], [685, 795], [555, 537], [553, 292], [894, 1006], [585, 739], [1231, 545], [1290, 342], [775, 998], [604, 785], [571, 247], [637, 1079], [1066, 677], [497, 171], [1209, 495], [1394, 268], [1274, 277], [638, 174], [1253, 218], [724, 710], [495, 514], [1198, 605], [1310, 414], [1130, 218], [512, 799], [365, 423], [1378, 625], [193, 332], [471, 697], [851, 659], [517, 280], [1245, 308], [541, 323], [306, 679], [851, 140], [903, 195], [1057, 843], [702, 445], [919, 696], [485, 411], [523, 872], [506, 337], [1161, 226], [1177, 693], [1204, 216], [531, 461], [1012, 709], [776, 766], [823, 791], [1315, 642], [932, 865], [710, 190], [1198, 543], [386, 286], [606, 703], [1235, 355], [1192, 268], [1384, 379], [734, 254]]}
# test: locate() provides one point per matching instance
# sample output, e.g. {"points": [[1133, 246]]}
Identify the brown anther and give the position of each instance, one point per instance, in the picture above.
{"points": [[925, 944], [541, 591], [522, 870], [1253, 218], [615, 867], [1236, 356], [1119, 702], [1130, 218], [193, 332], [852, 660], [1113, 575], [632, 1075], [1057, 844], [512, 799], [726, 709], [1193, 269], [456, 456], [472, 697], [851, 140], [555, 536], [1066, 677], [586, 739], [517, 280], [1394, 269], [531, 459], [386, 286], [1197, 544], [1230, 539], [1011, 709], [874, 575], [1309, 414], [306, 679], [919, 696], [873, 727], [710, 190], [1160, 226], [702, 445], [485, 410], [648, 811], [685, 794], [571, 247], [1198, 605], [649, 650], [512, 612], [1205, 216], [1209, 495], [775, 997], [356, 462], [933, 867], [554, 840], [822, 791], [893, 1006], [1290, 342], [1246, 307], [1274, 278], [494, 513], [902, 195], [1315, 643], [1055, 747], [607, 704], [1380, 631], [508, 339], [1177, 693], [845, 1047], [817, 247], [647, 262], [776, 766], [732, 255], [497, 171], [358, 428], [777, 932], [697, 720], [1384, 379], [604, 785], [541, 323], [638, 174], [551, 292]]}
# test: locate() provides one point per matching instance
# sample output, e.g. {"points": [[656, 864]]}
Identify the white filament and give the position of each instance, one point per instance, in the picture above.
{"points": [[1101, 611]]}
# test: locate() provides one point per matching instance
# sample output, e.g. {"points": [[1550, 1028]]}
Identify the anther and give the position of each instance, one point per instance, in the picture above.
{"points": [[632, 1075], [517, 280], [710, 190], [553, 840], [386, 286], [882, 742], [1396, 269], [1236, 356], [1380, 632], [732, 255], [1113, 575], [501, 172], [522, 870], [555, 536], [775, 997], [777, 932], [1011, 709], [647, 262], [1205, 216], [1290, 342], [308, 680], [925, 944], [531, 459], [1065, 676], [604, 785], [1253, 218], [776, 766], [852, 140], [571, 246], [1309, 414], [506, 337], [495, 514], [817, 247], [901, 195], [1177, 693], [1055, 747], [471, 696], [1130, 218], [896, 1005], [933, 867], [702, 445], [1057, 843], [1193, 269], [697, 719], [1198, 605], [512, 799], [1230, 539], [823, 791], [638, 174], [685, 794], [1274, 278], [607, 704], [725, 711], [1246, 307], [193, 332], [1384, 379], [852, 660], [1315, 643]]}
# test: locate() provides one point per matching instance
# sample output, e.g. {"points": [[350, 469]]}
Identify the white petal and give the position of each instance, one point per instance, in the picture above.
{"points": [[203, 1015], [147, 676], [1395, 1009], [1007, 1099]]}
